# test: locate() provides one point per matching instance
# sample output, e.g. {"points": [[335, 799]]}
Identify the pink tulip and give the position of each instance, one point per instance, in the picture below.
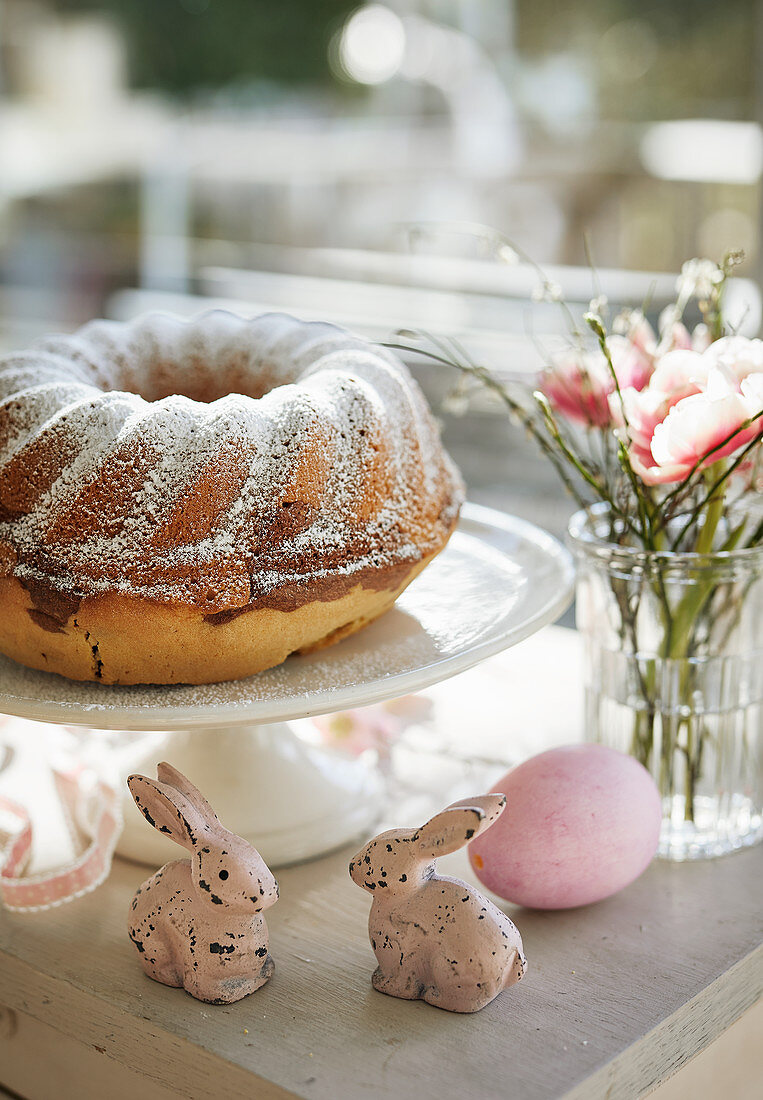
{"points": [[578, 383], [679, 400], [577, 387], [692, 403], [695, 426], [644, 410], [677, 337], [737, 354], [679, 374], [633, 362], [641, 335]]}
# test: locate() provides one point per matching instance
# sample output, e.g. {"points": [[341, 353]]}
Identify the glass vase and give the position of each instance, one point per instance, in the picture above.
{"points": [[674, 676]]}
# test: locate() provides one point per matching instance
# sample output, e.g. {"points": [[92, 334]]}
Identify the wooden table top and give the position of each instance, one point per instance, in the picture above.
{"points": [[618, 995]]}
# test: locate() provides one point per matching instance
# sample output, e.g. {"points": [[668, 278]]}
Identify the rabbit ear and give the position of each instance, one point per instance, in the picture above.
{"points": [[492, 805], [167, 810], [459, 823], [171, 777]]}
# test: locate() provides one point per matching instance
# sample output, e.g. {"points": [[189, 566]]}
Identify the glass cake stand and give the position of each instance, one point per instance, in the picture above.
{"points": [[498, 581]]}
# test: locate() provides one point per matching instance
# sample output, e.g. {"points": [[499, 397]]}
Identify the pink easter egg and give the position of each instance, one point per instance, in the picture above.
{"points": [[581, 822]]}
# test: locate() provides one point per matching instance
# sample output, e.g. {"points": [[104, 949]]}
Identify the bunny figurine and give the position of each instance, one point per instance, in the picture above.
{"points": [[198, 922], [436, 938]]}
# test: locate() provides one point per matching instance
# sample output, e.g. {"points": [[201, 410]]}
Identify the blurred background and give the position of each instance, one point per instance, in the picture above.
{"points": [[334, 160]]}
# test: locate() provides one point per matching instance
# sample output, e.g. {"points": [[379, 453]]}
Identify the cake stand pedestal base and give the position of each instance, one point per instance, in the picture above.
{"points": [[261, 777]]}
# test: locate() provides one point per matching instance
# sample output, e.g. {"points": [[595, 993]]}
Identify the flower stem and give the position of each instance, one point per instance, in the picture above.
{"points": [[713, 513]]}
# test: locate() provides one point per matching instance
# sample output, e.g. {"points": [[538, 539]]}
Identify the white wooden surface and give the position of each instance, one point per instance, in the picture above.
{"points": [[618, 995]]}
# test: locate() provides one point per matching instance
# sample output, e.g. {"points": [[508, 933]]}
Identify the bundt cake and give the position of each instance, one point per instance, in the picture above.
{"points": [[192, 501]]}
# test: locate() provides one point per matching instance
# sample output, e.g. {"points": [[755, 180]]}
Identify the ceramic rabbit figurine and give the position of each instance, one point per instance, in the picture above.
{"points": [[436, 938], [197, 922]]}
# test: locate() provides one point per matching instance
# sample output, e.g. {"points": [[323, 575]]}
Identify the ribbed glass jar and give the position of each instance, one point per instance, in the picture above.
{"points": [[674, 676]]}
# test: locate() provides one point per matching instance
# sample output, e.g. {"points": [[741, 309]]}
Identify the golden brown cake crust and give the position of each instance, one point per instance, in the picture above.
{"points": [[119, 639], [191, 501]]}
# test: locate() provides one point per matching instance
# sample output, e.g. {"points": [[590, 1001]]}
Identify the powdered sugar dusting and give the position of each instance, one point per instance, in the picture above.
{"points": [[272, 449], [510, 577]]}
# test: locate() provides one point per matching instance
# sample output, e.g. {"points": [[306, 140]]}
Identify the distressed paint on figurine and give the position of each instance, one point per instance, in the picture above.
{"points": [[197, 923], [436, 938]]}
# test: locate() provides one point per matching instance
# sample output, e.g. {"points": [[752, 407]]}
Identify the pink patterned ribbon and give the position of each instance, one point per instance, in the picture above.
{"points": [[100, 805]]}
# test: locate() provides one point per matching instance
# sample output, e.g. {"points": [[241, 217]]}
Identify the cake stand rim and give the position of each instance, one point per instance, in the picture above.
{"points": [[171, 717]]}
